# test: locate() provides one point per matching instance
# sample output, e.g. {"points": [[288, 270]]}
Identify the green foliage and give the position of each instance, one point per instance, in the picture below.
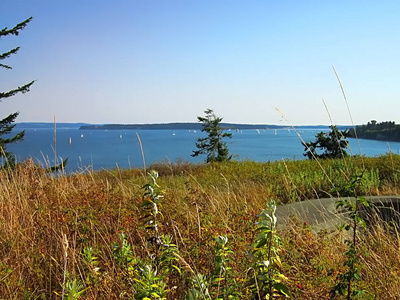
{"points": [[212, 145], [384, 131], [6, 124], [149, 277], [346, 282], [168, 258], [267, 281], [149, 285], [60, 167], [73, 290], [91, 263], [222, 268], [148, 281], [151, 213], [333, 144], [151, 282], [153, 276], [122, 253], [199, 290], [221, 283]]}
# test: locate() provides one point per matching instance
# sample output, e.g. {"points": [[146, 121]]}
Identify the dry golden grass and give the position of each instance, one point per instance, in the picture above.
{"points": [[47, 221]]}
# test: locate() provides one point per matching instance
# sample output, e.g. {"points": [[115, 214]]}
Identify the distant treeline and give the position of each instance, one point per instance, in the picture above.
{"points": [[176, 126], [384, 131]]}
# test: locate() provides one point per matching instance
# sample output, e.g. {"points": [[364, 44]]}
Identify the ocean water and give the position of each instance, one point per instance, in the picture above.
{"points": [[102, 149]]}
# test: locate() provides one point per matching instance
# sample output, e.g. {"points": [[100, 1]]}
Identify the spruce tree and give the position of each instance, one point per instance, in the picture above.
{"points": [[7, 124], [333, 144], [212, 145]]}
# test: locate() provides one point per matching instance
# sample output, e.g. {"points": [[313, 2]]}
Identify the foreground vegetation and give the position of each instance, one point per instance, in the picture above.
{"points": [[206, 229]]}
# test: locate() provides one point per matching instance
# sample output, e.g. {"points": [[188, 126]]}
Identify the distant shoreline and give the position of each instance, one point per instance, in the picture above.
{"points": [[175, 126], [166, 126], [384, 131], [191, 126]]}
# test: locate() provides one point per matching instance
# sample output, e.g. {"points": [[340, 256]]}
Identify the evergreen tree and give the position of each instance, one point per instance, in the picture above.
{"points": [[212, 145], [6, 124], [333, 144]]}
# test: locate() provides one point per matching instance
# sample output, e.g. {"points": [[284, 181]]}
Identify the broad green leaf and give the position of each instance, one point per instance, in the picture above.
{"points": [[281, 288], [261, 243]]}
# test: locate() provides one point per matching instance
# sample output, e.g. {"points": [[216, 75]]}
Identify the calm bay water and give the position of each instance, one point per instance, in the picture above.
{"points": [[101, 149]]}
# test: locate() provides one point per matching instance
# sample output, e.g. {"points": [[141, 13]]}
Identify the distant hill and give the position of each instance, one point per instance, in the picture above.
{"points": [[160, 126], [47, 125], [384, 131], [174, 126]]}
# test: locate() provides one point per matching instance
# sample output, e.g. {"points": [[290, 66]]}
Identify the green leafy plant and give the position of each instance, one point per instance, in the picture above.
{"points": [[149, 277], [125, 260], [346, 282], [199, 290], [91, 262], [122, 252], [220, 284], [265, 277], [168, 258], [149, 284], [151, 280], [225, 287], [72, 290], [151, 211], [153, 276]]}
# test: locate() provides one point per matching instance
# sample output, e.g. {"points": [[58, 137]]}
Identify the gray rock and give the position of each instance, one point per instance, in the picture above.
{"points": [[322, 213]]}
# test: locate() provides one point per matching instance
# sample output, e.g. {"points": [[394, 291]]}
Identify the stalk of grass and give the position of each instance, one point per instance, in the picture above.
{"points": [[348, 109], [55, 142], [141, 149], [65, 248]]}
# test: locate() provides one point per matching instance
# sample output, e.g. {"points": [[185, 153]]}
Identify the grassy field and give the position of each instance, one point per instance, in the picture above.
{"points": [[97, 235]]}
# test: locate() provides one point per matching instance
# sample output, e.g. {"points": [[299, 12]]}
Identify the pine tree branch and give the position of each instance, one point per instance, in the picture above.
{"points": [[6, 124], [18, 137], [5, 66], [23, 89], [9, 53], [15, 30]]}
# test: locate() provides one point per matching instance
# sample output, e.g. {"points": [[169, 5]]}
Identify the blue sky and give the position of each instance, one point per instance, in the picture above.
{"points": [[167, 61]]}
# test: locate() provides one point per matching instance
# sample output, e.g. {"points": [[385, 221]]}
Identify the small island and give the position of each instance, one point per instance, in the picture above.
{"points": [[384, 131]]}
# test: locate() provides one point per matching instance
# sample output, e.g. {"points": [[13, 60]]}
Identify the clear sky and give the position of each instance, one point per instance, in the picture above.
{"points": [[148, 61]]}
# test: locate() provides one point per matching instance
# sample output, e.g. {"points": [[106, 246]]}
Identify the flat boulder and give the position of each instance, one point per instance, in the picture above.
{"points": [[322, 213]]}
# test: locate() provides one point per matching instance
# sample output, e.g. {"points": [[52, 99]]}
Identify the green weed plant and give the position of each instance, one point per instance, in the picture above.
{"points": [[265, 277]]}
